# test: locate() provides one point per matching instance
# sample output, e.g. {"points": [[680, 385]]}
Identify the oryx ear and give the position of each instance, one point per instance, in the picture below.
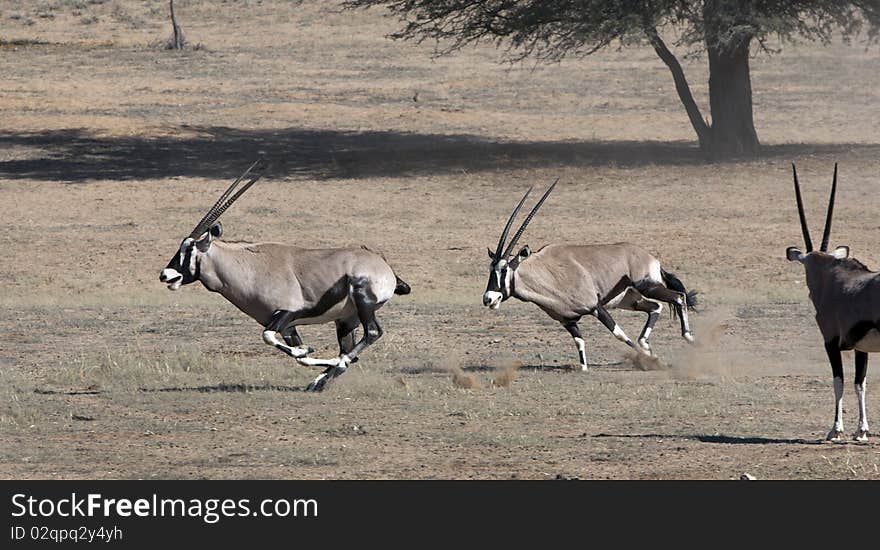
{"points": [[524, 252], [491, 254], [204, 243], [841, 252], [216, 229], [793, 254]]}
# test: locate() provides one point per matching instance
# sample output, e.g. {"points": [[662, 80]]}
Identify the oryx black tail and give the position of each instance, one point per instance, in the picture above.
{"points": [[674, 283], [402, 287]]}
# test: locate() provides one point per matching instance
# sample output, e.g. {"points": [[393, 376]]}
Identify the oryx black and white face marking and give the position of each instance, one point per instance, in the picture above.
{"points": [[183, 268], [498, 287]]}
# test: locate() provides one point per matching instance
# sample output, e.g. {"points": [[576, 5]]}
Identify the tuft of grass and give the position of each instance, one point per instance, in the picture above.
{"points": [[129, 369]]}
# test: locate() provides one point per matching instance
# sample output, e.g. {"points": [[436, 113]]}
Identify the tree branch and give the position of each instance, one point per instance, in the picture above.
{"points": [[704, 131]]}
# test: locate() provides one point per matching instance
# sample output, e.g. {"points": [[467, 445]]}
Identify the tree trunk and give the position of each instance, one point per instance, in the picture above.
{"points": [[177, 39], [703, 130], [730, 100]]}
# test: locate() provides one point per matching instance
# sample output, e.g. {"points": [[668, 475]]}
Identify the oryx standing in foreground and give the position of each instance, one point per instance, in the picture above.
{"points": [[846, 295], [282, 286], [570, 281]]}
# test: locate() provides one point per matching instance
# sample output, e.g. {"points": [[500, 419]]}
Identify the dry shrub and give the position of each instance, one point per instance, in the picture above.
{"points": [[465, 380], [640, 361], [506, 374]]}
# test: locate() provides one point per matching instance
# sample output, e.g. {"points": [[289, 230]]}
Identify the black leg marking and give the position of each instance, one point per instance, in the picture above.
{"points": [[653, 310], [280, 319], [291, 336], [606, 319], [575, 331], [861, 367], [346, 335]]}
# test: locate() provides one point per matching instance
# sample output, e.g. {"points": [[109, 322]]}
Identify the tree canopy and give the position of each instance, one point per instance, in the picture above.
{"points": [[725, 31]]}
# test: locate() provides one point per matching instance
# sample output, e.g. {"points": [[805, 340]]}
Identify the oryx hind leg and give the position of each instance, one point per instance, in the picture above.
{"points": [[281, 323], [653, 310], [677, 300], [366, 305], [605, 318]]}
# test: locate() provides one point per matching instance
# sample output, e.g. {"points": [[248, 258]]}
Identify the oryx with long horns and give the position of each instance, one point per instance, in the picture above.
{"points": [[282, 286], [846, 296], [570, 281]]}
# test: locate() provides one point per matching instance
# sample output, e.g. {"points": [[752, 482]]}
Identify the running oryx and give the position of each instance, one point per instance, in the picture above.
{"points": [[282, 286], [570, 281], [846, 295]]}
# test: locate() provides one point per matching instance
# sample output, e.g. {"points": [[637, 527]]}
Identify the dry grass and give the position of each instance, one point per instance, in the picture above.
{"points": [[112, 149]]}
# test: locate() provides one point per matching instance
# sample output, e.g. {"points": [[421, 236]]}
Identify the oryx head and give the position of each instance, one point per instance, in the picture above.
{"points": [[503, 264], [184, 265], [813, 258]]}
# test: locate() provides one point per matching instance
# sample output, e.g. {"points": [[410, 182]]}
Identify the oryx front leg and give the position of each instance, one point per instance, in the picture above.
{"points": [[833, 350], [572, 328], [861, 372], [280, 323], [602, 314]]}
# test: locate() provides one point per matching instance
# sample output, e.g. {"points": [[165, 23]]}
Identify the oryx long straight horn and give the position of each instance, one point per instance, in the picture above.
{"points": [[220, 206], [528, 219]]}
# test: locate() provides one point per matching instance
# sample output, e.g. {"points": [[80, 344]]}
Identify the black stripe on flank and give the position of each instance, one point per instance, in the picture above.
{"points": [[331, 297]]}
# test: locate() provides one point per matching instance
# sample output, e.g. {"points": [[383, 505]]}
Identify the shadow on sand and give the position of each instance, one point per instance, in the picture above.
{"points": [[227, 388], [78, 155], [727, 439]]}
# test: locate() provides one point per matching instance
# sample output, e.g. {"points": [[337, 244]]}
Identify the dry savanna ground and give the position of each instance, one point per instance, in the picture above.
{"points": [[111, 148]]}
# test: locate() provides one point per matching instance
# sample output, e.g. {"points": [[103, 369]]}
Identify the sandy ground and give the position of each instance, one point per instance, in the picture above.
{"points": [[112, 148]]}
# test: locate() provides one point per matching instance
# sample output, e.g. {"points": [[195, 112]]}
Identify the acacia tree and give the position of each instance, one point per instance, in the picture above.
{"points": [[727, 32]]}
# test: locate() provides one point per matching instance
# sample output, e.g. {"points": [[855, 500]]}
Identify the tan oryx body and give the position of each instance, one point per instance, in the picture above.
{"points": [[571, 281], [282, 286], [846, 296]]}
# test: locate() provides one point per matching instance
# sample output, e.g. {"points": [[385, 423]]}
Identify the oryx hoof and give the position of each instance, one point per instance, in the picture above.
{"points": [[318, 383], [835, 435], [689, 336], [643, 343], [860, 435]]}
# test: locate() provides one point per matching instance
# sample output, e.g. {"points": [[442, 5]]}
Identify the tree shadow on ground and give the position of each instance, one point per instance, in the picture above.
{"points": [[726, 439], [223, 388], [79, 155]]}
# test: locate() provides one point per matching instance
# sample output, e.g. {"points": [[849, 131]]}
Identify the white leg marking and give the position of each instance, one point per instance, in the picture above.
{"points": [[836, 433], [686, 334], [620, 335], [643, 340], [582, 352], [340, 362], [862, 433], [271, 338]]}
